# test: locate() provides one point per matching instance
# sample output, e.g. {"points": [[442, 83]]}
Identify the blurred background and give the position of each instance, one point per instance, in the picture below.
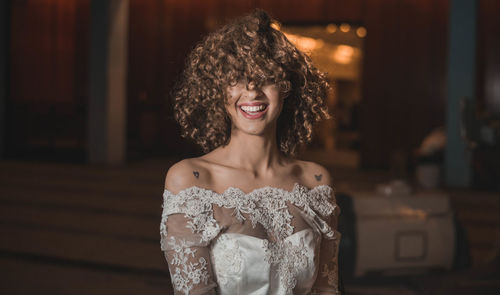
{"points": [[87, 134]]}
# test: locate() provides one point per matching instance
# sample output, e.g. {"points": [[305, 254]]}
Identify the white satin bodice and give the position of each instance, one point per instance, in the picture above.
{"points": [[214, 242], [240, 264]]}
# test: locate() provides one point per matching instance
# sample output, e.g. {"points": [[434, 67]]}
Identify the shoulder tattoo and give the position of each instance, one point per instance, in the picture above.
{"points": [[318, 177], [196, 174]]}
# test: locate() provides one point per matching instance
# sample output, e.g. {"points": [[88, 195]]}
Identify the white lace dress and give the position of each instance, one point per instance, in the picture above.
{"points": [[268, 241]]}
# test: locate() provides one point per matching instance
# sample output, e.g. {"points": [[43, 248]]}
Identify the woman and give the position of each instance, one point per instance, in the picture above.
{"points": [[247, 217]]}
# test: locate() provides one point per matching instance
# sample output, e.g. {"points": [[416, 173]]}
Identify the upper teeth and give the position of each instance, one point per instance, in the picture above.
{"points": [[253, 108]]}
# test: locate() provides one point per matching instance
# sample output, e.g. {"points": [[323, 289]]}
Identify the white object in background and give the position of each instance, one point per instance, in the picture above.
{"points": [[411, 233]]}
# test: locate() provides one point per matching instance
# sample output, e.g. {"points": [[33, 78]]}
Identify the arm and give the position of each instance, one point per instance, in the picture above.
{"points": [[184, 245], [327, 281], [188, 259]]}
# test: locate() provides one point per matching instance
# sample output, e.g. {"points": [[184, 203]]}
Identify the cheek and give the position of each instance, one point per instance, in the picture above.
{"points": [[280, 101], [232, 95], [230, 107]]}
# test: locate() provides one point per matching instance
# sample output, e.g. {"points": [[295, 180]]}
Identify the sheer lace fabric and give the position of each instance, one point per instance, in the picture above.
{"points": [[268, 241]]}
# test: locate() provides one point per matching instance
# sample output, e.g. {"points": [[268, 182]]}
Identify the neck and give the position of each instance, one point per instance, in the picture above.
{"points": [[258, 154]]}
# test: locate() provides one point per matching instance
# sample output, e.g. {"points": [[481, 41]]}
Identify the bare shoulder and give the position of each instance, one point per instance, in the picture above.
{"points": [[315, 174], [186, 173]]}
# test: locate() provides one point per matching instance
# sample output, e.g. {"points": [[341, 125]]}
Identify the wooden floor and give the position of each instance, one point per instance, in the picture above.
{"points": [[69, 229], [90, 229]]}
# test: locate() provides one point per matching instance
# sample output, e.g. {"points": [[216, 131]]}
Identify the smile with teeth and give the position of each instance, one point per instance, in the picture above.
{"points": [[253, 109]]}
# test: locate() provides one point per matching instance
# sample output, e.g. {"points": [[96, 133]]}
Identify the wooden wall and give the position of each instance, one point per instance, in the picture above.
{"points": [[404, 77], [46, 107]]}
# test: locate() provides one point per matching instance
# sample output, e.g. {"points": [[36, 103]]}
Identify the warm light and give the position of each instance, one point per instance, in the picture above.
{"points": [[319, 43], [361, 32], [276, 26], [305, 44], [345, 27], [410, 212], [343, 54], [331, 28]]}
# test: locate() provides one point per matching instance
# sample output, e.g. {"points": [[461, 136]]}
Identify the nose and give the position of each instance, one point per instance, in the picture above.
{"points": [[252, 94], [252, 91]]}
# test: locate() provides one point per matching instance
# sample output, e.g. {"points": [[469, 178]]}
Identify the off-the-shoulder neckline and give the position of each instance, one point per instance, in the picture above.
{"points": [[295, 189]]}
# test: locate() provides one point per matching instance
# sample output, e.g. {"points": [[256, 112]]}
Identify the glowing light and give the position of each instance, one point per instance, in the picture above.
{"points": [[343, 54], [331, 28], [361, 32], [305, 44], [410, 212], [319, 43], [345, 27]]}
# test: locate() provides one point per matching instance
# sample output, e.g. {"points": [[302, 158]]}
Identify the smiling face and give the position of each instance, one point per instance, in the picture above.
{"points": [[254, 110]]}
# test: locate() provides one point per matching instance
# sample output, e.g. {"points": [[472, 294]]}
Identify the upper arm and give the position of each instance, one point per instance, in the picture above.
{"points": [[327, 279], [184, 174], [316, 174], [319, 175], [184, 241]]}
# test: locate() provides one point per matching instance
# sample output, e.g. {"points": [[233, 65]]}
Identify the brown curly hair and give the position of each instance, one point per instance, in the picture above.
{"points": [[250, 49]]}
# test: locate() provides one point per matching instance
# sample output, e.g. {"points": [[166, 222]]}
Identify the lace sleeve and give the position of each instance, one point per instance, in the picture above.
{"points": [[186, 231], [327, 280]]}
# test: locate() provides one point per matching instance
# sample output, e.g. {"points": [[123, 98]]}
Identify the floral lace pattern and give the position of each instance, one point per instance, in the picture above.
{"points": [[331, 273], [289, 259], [187, 273], [200, 215], [227, 258], [267, 206]]}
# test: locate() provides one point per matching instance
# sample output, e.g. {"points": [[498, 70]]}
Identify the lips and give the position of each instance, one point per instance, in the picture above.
{"points": [[253, 110]]}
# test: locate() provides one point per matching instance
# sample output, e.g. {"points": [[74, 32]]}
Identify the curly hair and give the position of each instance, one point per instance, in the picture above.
{"points": [[250, 49]]}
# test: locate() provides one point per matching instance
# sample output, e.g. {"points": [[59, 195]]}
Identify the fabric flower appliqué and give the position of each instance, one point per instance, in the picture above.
{"points": [[227, 258], [187, 272], [289, 258]]}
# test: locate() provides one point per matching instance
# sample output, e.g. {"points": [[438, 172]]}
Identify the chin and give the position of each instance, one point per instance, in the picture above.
{"points": [[252, 131], [261, 130]]}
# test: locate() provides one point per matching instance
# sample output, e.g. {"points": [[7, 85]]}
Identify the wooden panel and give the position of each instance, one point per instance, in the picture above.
{"points": [[295, 10], [228, 9], [43, 42], [379, 83], [341, 10], [422, 46], [48, 78], [145, 71], [404, 74]]}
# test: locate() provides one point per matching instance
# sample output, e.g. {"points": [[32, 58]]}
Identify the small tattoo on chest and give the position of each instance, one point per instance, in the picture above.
{"points": [[318, 177], [196, 174]]}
